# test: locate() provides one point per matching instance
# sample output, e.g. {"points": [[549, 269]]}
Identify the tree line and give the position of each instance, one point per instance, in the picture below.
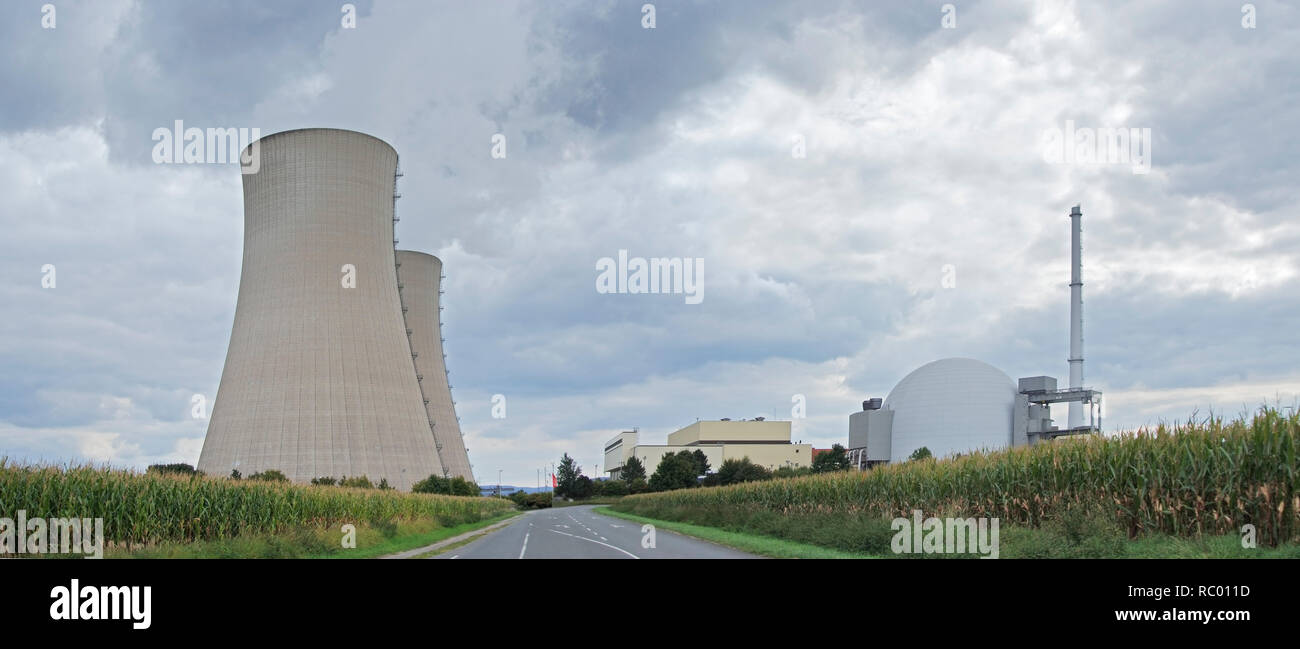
{"points": [[684, 470]]}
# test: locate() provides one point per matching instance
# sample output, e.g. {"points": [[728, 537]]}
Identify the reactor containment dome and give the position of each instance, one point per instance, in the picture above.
{"points": [[950, 406]]}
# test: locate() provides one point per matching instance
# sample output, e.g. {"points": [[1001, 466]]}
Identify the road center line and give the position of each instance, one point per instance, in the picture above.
{"points": [[583, 538], [525, 548]]}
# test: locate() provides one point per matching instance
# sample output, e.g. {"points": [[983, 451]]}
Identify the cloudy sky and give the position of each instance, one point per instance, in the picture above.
{"points": [[868, 188]]}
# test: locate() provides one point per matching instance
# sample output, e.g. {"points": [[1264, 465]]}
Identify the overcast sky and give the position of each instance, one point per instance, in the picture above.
{"points": [[824, 274]]}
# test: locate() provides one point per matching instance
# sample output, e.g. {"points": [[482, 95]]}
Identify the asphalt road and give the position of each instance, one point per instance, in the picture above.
{"points": [[579, 533]]}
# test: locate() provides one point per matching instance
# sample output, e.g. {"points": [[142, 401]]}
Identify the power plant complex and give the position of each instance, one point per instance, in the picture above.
{"points": [[949, 407], [335, 365], [958, 405]]}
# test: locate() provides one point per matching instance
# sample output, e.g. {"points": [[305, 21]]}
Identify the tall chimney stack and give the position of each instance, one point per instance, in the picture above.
{"points": [[1076, 314]]}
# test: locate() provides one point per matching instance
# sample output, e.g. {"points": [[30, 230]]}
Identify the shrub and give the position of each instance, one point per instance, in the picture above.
{"points": [[462, 487], [269, 475], [173, 469], [540, 500], [436, 484]]}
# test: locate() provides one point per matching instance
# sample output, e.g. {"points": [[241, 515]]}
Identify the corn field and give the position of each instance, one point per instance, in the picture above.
{"points": [[150, 508], [1207, 477]]}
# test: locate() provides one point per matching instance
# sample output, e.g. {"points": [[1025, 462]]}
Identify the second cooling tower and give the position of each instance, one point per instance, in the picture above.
{"points": [[420, 278], [319, 377]]}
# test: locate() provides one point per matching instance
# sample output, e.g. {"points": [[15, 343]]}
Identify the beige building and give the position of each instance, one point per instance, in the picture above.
{"points": [[765, 443]]}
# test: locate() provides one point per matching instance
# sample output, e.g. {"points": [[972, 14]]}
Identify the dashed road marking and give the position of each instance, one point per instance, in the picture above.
{"points": [[598, 543]]}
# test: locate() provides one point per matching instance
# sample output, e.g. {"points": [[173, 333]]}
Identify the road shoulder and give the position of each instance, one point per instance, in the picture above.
{"points": [[459, 539], [765, 546]]}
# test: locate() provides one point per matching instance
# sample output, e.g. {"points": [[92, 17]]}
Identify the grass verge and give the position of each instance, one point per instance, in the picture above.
{"points": [[372, 540], [766, 546], [1074, 535]]}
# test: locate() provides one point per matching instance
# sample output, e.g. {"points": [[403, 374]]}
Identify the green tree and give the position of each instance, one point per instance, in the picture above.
{"points": [[735, 471], [921, 454], [675, 471], [459, 486], [633, 470], [833, 460], [613, 488], [566, 477], [701, 462], [582, 488], [434, 484]]}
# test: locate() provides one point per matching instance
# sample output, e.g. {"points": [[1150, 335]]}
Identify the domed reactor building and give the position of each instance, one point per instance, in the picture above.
{"points": [[950, 406], [955, 406], [323, 375]]}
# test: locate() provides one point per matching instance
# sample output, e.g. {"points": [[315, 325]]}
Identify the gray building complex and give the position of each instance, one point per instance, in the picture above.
{"points": [[321, 375]]}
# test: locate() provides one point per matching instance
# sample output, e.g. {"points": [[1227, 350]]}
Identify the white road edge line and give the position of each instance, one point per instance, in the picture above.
{"points": [[525, 548], [583, 538], [455, 556]]}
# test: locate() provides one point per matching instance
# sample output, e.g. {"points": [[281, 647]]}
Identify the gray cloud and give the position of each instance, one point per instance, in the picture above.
{"points": [[822, 274]]}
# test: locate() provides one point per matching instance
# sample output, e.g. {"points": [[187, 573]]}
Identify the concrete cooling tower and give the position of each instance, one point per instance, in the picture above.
{"points": [[319, 377], [419, 277]]}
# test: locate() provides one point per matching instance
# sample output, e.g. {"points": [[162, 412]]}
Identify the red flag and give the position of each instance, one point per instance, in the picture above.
{"points": [[553, 482]]}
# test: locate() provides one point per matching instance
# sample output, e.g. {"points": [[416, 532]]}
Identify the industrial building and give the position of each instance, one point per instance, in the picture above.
{"points": [[333, 369], [959, 405], [766, 443]]}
